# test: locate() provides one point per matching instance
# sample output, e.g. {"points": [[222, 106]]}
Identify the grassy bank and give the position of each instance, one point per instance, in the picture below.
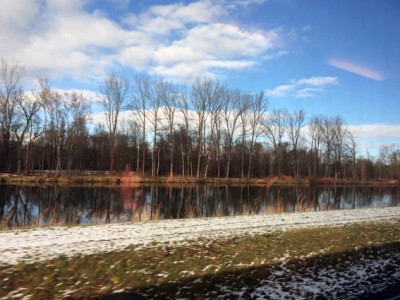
{"points": [[135, 179], [165, 270]]}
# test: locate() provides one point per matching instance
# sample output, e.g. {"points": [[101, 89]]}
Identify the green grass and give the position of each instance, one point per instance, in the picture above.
{"points": [[163, 268]]}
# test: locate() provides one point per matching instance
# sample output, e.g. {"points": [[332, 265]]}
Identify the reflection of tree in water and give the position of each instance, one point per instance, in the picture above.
{"points": [[55, 205], [14, 208], [107, 205], [61, 206], [2, 204]]}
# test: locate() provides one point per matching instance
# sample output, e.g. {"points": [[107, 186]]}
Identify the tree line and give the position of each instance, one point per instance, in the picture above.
{"points": [[161, 128]]}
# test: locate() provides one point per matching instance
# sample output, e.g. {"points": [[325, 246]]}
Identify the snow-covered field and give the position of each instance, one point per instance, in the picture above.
{"points": [[365, 275], [352, 275], [44, 243]]}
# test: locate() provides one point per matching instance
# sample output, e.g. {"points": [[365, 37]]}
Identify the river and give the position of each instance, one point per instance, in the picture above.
{"points": [[32, 206]]}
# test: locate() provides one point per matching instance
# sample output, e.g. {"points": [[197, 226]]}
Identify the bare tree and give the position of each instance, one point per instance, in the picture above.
{"points": [[328, 133], [334, 138], [214, 115], [35, 131], [139, 106], [169, 97], [199, 103], [352, 147], [275, 126], [184, 133], [295, 122], [393, 161], [11, 93], [315, 132], [253, 116], [203, 93], [218, 142], [244, 125], [99, 140], [114, 90], [136, 130], [54, 123], [234, 105], [76, 114], [156, 91], [43, 97], [57, 126], [28, 108], [340, 134]]}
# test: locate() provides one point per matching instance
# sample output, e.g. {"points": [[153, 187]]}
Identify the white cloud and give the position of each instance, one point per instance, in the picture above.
{"points": [[161, 26], [138, 57], [303, 88], [17, 14], [195, 12], [64, 39], [307, 92], [211, 68], [233, 4], [85, 30], [317, 81], [208, 47], [120, 4], [376, 131], [371, 137], [281, 90], [229, 40], [178, 53], [278, 54], [17, 20]]}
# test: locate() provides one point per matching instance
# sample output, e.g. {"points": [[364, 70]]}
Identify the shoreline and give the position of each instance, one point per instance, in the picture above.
{"points": [[131, 178]]}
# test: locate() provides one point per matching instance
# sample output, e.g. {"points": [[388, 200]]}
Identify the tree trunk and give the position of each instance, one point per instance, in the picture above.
{"points": [[250, 162], [183, 159]]}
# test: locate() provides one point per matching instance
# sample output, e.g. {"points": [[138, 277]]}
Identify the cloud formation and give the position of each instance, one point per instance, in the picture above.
{"points": [[64, 38], [376, 131], [303, 88], [355, 69], [371, 137]]}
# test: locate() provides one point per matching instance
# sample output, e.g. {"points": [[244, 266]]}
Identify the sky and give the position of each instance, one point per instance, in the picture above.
{"points": [[328, 57]]}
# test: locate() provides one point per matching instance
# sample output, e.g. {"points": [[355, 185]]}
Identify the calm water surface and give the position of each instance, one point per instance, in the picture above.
{"points": [[54, 205]]}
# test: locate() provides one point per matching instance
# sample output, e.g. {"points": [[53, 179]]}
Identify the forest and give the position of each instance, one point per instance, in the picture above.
{"points": [[152, 126]]}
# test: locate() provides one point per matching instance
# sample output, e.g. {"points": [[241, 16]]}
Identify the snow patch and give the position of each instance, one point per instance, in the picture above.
{"points": [[45, 243]]}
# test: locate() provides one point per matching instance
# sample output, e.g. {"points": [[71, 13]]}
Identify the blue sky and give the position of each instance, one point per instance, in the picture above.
{"points": [[328, 57]]}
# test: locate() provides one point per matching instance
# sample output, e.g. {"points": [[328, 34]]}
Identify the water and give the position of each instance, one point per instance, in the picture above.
{"points": [[22, 206]]}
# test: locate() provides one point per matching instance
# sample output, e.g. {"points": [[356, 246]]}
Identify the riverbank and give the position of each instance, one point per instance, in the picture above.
{"points": [[354, 252], [131, 178]]}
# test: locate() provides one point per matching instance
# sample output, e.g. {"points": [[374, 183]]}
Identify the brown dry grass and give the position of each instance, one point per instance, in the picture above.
{"points": [[133, 179]]}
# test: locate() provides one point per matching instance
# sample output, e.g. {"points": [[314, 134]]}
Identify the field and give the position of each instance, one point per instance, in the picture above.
{"points": [[333, 255]]}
